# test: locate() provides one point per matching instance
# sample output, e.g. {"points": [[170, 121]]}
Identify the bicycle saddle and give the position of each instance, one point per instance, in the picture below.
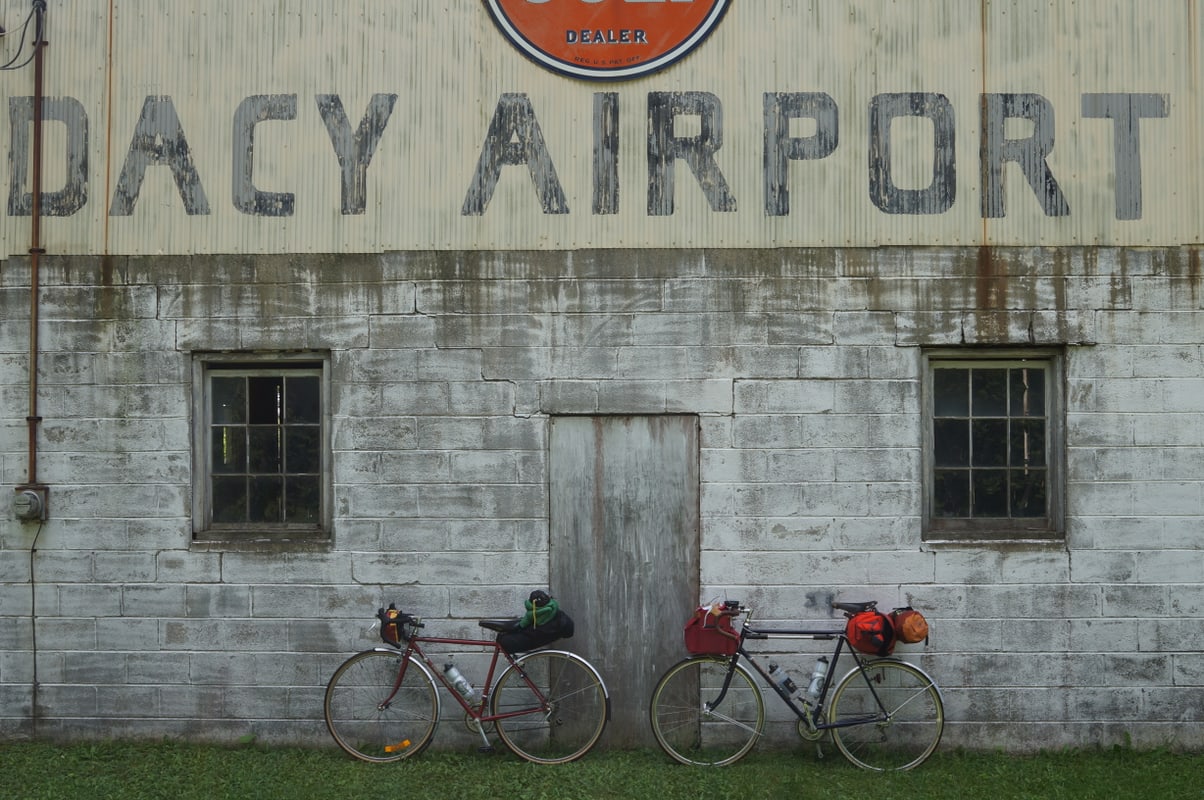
{"points": [[500, 625], [855, 608]]}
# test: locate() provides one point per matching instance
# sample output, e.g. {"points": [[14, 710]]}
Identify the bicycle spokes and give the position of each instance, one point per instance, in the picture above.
{"points": [[707, 731], [378, 711], [892, 721], [552, 709]]}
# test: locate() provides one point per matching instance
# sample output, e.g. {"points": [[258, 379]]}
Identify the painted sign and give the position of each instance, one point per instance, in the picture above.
{"points": [[419, 127], [515, 139], [606, 39]]}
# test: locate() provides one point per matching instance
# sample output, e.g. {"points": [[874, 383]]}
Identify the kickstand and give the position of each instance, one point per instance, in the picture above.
{"points": [[486, 745]]}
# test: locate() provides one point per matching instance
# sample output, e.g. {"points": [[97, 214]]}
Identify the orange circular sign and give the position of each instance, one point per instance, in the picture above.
{"points": [[606, 39]]}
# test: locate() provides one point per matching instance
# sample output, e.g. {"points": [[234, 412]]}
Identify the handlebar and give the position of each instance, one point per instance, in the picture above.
{"points": [[396, 624], [729, 608]]}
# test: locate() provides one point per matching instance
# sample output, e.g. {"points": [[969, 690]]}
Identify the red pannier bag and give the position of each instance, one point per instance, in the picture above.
{"points": [[710, 633], [871, 632]]}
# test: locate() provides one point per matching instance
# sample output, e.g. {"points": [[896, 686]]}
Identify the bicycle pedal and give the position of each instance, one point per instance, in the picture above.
{"points": [[486, 749]]}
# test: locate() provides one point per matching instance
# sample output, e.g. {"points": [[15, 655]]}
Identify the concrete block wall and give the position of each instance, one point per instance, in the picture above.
{"points": [[804, 367]]}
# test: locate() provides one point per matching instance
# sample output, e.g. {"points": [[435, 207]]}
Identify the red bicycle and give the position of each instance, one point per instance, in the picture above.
{"points": [[383, 704]]}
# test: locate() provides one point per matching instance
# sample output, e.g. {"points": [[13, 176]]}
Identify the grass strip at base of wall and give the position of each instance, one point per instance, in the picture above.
{"points": [[146, 771]]}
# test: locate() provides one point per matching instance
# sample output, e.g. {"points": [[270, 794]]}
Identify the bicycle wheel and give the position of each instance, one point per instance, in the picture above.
{"points": [[378, 712], [691, 727], [901, 713], [560, 723]]}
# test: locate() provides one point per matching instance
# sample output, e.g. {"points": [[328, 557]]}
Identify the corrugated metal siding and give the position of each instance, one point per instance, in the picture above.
{"points": [[1066, 50], [449, 66]]}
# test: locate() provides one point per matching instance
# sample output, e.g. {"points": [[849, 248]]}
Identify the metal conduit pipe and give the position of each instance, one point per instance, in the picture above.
{"points": [[32, 496], [35, 247], [34, 492]]}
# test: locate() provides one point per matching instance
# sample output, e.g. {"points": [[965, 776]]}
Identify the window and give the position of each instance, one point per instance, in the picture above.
{"points": [[993, 446], [261, 446]]}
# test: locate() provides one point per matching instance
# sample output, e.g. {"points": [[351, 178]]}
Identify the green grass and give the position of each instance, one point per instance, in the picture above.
{"points": [[100, 771]]}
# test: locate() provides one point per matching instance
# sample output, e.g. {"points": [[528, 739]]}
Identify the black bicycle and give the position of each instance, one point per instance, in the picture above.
{"points": [[884, 714]]}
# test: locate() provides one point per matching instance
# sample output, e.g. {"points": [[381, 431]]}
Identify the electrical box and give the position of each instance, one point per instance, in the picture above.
{"points": [[29, 503]]}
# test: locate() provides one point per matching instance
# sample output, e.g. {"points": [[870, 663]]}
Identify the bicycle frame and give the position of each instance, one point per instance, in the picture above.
{"points": [[709, 708], [815, 712], [383, 704], [475, 711]]}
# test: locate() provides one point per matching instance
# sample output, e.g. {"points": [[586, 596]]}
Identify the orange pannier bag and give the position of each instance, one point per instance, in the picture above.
{"points": [[909, 624]]}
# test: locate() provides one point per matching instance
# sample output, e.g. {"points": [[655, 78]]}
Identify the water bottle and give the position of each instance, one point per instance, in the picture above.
{"points": [[817, 679], [459, 682], [782, 678]]}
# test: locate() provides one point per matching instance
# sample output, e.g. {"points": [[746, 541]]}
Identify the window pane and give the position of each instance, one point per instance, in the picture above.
{"points": [[265, 503], [264, 457], [951, 490], [265, 451], [229, 499], [229, 451], [266, 396], [1028, 392], [1028, 443], [989, 392], [1028, 493], [301, 452], [302, 400], [229, 401], [303, 499], [990, 443], [951, 392], [951, 442], [989, 469], [990, 493]]}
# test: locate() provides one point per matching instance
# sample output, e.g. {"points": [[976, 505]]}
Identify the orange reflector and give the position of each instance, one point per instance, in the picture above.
{"points": [[393, 748]]}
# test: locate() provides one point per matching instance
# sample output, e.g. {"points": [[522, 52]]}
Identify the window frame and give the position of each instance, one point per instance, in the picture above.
{"points": [[995, 529], [204, 367]]}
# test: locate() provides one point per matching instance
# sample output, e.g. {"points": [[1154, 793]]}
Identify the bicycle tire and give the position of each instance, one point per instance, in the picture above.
{"points": [[693, 733], [373, 718], [572, 722], [906, 720]]}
